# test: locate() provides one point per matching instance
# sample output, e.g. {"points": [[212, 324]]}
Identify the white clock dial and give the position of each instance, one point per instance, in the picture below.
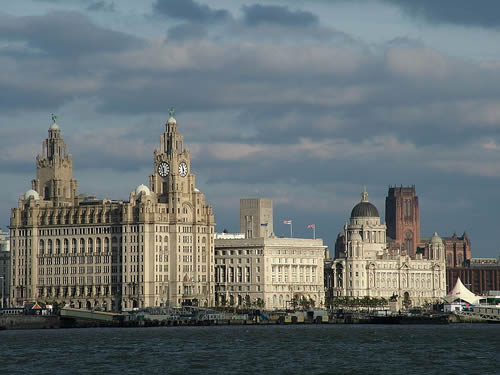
{"points": [[183, 169], [163, 169]]}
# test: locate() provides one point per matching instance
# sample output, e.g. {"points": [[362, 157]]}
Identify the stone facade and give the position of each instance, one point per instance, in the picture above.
{"points": [[367, 267], [256, 266], [157, 249], [273, 270], [4, 269], [458, 250]]}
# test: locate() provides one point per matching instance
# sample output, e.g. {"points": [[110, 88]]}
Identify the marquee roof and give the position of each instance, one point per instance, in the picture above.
{"points": [[460, 292]]}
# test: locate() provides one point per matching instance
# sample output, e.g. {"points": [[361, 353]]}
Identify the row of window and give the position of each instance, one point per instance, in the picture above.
{"points": [[73, 280], [240, 252], [73, 270]]}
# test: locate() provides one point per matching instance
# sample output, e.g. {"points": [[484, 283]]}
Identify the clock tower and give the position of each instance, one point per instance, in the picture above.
{"points": [[184, 228], [171, 165]]}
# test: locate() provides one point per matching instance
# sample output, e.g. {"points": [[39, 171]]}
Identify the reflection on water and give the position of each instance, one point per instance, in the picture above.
{"points": [[311, 349]]}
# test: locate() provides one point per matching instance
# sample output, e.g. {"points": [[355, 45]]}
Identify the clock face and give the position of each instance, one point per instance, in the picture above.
{"points": [[183, 169], [163, 169]]}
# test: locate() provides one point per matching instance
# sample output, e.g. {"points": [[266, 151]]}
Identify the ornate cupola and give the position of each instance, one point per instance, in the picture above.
{"points": [[54, 180]]}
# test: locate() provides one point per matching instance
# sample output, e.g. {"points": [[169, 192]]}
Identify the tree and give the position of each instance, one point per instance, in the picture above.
{"points": [[248, 301], [295, 301], [260, 303], [312, 302]]}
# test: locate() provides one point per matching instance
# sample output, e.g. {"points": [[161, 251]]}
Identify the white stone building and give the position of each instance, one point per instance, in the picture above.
{"points": [[268, 269], [4, 269], [367, 268], [157, 249]]}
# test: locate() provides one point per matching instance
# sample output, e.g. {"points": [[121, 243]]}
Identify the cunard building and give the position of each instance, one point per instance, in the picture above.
{"points": [[157, 249]]}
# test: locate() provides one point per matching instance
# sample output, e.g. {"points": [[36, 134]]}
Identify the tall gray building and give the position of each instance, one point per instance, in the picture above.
{"points": [[256, 217]]}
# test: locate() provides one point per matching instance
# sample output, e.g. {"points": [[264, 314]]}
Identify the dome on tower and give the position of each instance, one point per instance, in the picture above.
{"points": [[355, 236], [364, 208], [54, 126], [171, 121], [142, 189], [436, 239], [31, 194]]}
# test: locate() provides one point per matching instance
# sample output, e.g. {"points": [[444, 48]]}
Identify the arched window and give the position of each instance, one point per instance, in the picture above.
{"points": [[409, 242], [106, 244], [98, 245], [82, 245], [49, 247], [73, 245], [41, 248], [91, 245], [58, 246], [449, 260], [66, 246]]}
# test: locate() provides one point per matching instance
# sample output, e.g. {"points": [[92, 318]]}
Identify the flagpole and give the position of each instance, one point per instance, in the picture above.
{"points": [[314, 232], [291, 229]]}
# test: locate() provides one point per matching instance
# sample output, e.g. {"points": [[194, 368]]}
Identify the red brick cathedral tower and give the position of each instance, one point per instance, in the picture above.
{"points": [[402, 218]]}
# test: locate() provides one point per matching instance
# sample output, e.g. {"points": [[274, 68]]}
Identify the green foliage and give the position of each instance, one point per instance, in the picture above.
{"points": [[247, 301], [260, 303]]}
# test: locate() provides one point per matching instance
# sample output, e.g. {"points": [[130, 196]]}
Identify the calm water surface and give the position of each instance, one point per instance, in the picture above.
{"points": [[328, 349]]}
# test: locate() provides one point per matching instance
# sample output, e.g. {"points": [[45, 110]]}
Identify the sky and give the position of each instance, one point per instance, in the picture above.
{"points": [[304, 102]]}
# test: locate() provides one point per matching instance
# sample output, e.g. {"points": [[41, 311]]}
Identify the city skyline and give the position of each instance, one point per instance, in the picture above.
{"points": [[302, 103]]}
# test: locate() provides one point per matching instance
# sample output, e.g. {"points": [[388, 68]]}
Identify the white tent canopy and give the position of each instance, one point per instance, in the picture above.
{"points": [[460, 292]]}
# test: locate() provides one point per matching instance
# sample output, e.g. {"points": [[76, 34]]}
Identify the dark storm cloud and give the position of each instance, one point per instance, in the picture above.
{"points": [[64, 33], [51, 59], [482, 13], [257, 14], [101, 6], [190, 10]]}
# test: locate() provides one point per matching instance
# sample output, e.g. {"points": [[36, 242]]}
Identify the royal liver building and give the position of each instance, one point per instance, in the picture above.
{"points": [[157, 249]]}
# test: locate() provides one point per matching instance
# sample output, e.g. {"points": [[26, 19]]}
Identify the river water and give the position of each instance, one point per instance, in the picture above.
{"points": [[308, 349]]}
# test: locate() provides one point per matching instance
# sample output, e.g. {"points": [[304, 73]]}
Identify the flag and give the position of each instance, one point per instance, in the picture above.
{"points": [[263, 224], [287, 222], [311, 226]]}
